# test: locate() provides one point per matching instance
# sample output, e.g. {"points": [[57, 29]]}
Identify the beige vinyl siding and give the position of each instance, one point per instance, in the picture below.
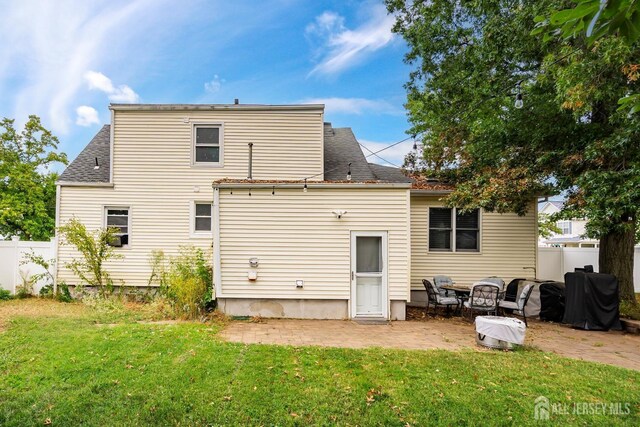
{"points": [[295, 236], [154, 147], [159, 220], [152, 174], [508, 245]]}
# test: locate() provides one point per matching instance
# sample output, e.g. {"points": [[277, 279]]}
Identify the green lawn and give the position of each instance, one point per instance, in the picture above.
{"points": [[69, 365]]}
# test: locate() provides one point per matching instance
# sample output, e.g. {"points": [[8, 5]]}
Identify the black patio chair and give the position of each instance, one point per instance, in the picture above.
{"points": [[483, 298], [436, 299]]}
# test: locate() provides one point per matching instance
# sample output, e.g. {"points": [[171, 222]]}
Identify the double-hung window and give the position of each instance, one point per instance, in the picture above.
{"points": [[207, 145], [201, 218], [564, 226], [118, 218], [453, 230]]}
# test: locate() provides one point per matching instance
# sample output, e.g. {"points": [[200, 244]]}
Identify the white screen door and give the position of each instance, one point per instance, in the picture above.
{"points": [[368, 273]]}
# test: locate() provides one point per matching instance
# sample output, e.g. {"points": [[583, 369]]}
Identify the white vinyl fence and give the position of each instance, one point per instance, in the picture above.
{"points": [[12, 253], [554, 262]]}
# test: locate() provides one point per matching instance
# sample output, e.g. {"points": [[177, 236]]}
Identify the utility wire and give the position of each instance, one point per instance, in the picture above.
{"points": [[383, 159]]}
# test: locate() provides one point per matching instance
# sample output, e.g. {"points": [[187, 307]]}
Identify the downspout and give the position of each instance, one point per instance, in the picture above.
{"points": [[250, 174], [56, 240], [217, 274]]}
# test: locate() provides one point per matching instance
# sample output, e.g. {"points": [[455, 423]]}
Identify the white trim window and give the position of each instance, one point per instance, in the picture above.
{"points": [[118, 217], [564, 226], [201, 218], [453, 230], [207, 145]]}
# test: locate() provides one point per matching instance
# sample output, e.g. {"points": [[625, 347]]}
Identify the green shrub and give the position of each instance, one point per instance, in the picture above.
{"points": [[63, 294], [95, 249], [630, 310], [5, 295], [185, 282]]}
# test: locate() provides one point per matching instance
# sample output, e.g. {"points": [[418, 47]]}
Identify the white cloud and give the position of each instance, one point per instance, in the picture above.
{"points": [[86, 116], [122, 93], [394, 154], [353, 105], [47, 47], [214, 85], [343, 48]]}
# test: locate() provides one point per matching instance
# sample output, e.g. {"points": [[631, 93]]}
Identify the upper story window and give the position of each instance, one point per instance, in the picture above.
{"points": [[207, 144], [118, 217], [451, 230], [564, 226]]}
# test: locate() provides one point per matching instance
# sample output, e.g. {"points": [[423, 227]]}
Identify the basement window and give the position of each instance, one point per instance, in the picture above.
{"points": [[453, 230], [207, 145], [118, 217]]}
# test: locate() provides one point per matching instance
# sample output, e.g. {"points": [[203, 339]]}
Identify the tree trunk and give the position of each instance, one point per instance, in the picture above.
{"points": [[616, 257]]}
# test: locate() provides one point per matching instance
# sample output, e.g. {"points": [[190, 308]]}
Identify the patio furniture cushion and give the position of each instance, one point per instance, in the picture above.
{"points": [[447, 300], [495, 280], [509, 304], [501, 328], [480, 304], [441, 280]]}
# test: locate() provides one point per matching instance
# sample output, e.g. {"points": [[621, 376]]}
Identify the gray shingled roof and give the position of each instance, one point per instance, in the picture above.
{"points": [[340, 149], [82, 169], [388, 173]]}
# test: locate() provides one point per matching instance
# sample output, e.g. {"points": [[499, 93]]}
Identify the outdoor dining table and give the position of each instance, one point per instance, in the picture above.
{"points": [[462, 293]]}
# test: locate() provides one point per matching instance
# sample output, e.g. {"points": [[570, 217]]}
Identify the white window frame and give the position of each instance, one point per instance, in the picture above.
{"points": [[197, 234], [454, 230], [106, 208], [194, 127], [570, 226]]}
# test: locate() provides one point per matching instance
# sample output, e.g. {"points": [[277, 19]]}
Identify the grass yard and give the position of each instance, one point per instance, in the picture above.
{"points": [[67, 364]]}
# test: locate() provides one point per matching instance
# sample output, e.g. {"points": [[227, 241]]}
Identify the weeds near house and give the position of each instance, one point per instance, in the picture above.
{"points": [[95, 249], [185, 280], [25, 289], [5, 295]]}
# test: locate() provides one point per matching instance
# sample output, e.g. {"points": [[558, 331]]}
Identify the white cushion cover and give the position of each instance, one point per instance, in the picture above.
{"points": [[509, 304], [447, 300], [501, 328]]}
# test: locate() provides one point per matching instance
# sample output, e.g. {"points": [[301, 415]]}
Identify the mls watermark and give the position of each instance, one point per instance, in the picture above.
{"points": [[544, 408]]}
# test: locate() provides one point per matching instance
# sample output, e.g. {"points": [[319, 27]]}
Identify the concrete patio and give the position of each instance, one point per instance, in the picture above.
{"points": [[613, 347]]}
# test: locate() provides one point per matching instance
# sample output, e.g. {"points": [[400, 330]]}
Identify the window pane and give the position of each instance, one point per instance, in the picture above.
{"points": [[467, 220], [439, 218], [203, 209], [117, 220], [208, 154], [207, 135], [203, 224], [466, 240], [440, 240], [368, 254], [124, 212]]}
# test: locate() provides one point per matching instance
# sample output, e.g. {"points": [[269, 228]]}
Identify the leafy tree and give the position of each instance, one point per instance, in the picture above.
{"points": [[547, 226], [471, 61], [27, 186]]}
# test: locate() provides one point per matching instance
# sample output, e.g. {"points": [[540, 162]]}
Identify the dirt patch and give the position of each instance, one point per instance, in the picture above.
{"points": [[36, 307]]}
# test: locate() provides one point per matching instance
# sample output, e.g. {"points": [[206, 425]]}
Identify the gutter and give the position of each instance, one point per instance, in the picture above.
{"points": [[209, 107], [84, 184], [310, 184]]}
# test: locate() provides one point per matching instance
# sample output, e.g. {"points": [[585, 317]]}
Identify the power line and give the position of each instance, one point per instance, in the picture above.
{"points": [[381, 158]]}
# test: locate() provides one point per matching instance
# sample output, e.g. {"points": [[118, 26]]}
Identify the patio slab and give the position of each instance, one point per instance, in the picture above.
{"points": [[613, 347]]}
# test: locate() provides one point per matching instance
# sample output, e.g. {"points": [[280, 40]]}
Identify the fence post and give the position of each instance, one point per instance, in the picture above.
{"points": [[16, 261]]}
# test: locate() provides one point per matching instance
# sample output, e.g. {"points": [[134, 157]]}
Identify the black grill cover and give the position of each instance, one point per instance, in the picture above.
{"points": [[512, 290], [592, 301], [552, 301]]}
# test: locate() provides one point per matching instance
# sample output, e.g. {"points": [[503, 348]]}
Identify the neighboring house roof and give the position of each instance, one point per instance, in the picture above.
{"points": [[557, 204], [572, 239], [82, 169]]}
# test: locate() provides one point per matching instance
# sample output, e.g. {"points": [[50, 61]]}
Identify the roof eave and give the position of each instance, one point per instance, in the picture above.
{"points": [[211, 107], [84, 184]]}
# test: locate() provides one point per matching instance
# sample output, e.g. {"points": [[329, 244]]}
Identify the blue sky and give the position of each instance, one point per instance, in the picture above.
{"points": [[67, 60]]}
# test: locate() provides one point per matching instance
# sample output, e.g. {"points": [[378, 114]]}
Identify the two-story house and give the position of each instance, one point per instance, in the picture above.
{"points": [[299, 224], [572, 231]]}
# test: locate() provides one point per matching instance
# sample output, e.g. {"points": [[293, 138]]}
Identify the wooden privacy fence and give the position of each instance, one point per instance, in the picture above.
{"points": [[554, 262], [12, 254]]}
